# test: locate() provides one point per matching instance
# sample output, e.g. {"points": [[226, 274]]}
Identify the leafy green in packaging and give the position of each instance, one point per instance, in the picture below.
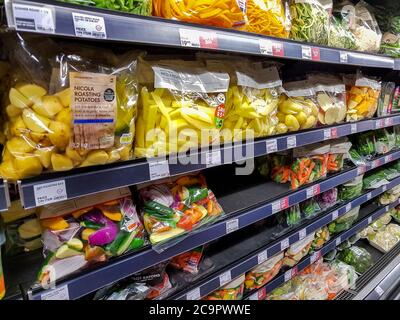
{"points": [[344, 222], [364, 144], [351, 189], [357, 257], [290, 217], [375, 180], [384, 141], [340, 35], [310, 208]]}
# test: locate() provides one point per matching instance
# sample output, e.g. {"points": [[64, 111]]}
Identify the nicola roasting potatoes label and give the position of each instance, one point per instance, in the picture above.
{"points": [[94, 105]]}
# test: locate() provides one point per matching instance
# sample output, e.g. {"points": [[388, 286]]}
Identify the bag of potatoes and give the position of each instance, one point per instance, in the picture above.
{"points": [[84, 115]]}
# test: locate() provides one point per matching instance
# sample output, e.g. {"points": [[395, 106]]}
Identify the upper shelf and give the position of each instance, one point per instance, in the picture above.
{"points": [[56, 18]]}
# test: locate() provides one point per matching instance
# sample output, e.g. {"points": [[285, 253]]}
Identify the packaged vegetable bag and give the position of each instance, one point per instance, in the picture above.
{"points": [[298, 251], [297, 107], [340, 33], [351, 189], [80, 111], [310, 20], [231, 291], [85, 231], [344, 222], [174, 208], [339, 150], [328, 198], [385, 99], [253, 103], [268, 17], [384, 141], [287, 219], [225, 13], [309, 208], [141, 7], [183, 108]]}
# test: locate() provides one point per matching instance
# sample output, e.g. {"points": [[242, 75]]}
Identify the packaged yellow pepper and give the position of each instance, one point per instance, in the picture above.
{"points": [[84, 115], [297, 107], [362, 97], [219, 13], [268, 17], [183, 108], [252, 103]]}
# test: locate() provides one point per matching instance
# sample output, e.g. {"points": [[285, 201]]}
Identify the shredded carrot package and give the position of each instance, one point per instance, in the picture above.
{"points": [[267, 17], [219, 13]]}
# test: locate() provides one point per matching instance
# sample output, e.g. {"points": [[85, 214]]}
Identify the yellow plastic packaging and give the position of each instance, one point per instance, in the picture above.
{"points": [[84, 116], [362, 98], [252, 104], [268, 17], [183, 108], [219, 13], [297, 107]]}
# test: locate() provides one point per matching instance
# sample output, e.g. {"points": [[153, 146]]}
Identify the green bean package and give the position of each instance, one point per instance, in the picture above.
{"points": [[310, 20]]}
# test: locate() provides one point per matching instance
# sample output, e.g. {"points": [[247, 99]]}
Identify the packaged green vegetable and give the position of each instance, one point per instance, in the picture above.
{"points": [[340, 35], [382, 221], [396, 130], [344, 222], [357, 257], [351, 189], [310, 20], [375, 180], [289, 218], [385, 98], [310, 208], [384, 141], [262, 165], [364, 144]]}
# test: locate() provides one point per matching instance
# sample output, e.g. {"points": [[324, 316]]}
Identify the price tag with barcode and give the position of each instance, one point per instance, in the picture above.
{"points": [[353, 128], [198, 39], [327, 134], [306, 52], [291, 142], [89, 26], [194, 294], [343, 57], [262, 256], [302, 234], [272, 146], [34, 18], [50, 192], [315, 256], [213, 158], [276, 206], [232, 225], [284, 244], [266, 47], [335, 215], [288, 275], [338, 241], [225, 278], [60, 293], [158, 169]]}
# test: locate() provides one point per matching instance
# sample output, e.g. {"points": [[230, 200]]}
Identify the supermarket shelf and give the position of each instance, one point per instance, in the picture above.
{"points": [[86, 181], [216, 281], [4, 195], [332, 244], [126, 265], [161, 32]]}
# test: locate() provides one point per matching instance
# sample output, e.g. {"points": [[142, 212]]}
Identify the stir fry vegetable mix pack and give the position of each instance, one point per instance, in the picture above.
{"points": [[83, 116], [82, 232], [174, 208], [225, 13], [142, 7], [340, 33], [232, 291]]}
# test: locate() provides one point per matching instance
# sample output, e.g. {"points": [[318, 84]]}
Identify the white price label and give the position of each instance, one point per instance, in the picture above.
{"points": [[225, 278], [310, 192], [284, 244], [388, 158], [198, 39], [384, 187], [262, 256], [291, 142], [386, 208], [344, 57], [232, 225], [353, 127], [348, 207], [33, 18], [306, 52], [302, 234], [369, 220], [193, 295], [60, 293], [266, 47], [379, 291], [276, 206], [388, 122], [361, 169], [369, 196], [50, 192], [213, 158], [315, 256], [158, 169], [254, 296], [272, 146], [288, 275], [338, 241], [327, 134], [89, 26], [335, 215]]}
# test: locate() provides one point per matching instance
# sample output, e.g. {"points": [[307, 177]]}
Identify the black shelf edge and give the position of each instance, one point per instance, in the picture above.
{"points": [[87, 181], [161, 32]]}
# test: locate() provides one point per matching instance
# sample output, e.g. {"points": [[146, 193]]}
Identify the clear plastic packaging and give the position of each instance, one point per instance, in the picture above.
{"points": [[225, 13], [357, 257], [385, 99], [297, 108], [76, 111], [381, 222], [390, 196], [268, 17], [384, 141], [385, 238], [252, 103], [181, 107], [321, 237], [328, 199], [173, 208], [289, 217], [188, 261], [396, 130], [395, 213], [82, 232], [339, 150], [264, 272], [310, 208], [351, 189], [375, 180], [340, 34], [298, 251], [231, 291], [2, 283], [141, 7], [310, 20], [362, 97], [344, 222]]}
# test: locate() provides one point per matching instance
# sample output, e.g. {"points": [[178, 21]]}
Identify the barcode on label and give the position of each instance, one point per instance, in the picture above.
{"points": [[284, 244], [193, 295], [232, 225], [272, 146], [33, 18], [302, 234], [353, 127], [225, 278], [306, 52], [291, 142], [60, 293], [158, 169], [198, 39], [89, 26], [266, 47], [262, 256]]}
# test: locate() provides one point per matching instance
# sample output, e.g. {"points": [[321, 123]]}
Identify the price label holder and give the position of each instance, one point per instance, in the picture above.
{"points": [[348, 207], [338, 241], [361, 169], [353, 128], [213, 158], [369, 220], [343, 57], [34, 18], [369, 196], [313, 191], [198, 39], [291, 142], [158, 169], [60, 293], [232, 225], [194, 294], [389, 158], [266, 47], [327, 134], [380, 123], [306, 53], [272, 146], [388, 122], [335, 215], [302, 234], [225, 278], [334, 133], [262, 256], [89, 26], [315, 256], [284, 244], [50, 192], [379, 291], [276, 206], [284, 203]]}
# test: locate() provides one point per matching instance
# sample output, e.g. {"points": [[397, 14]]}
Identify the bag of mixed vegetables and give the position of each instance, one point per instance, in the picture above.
{"points": [[232, 291], [362, 97], [174, 208], [351, 189], [357, 257], [321, 237], [179, 107], [309, 208], [280, 166], [340, 34], [82, 232], [327, 199], [188, 261], [252, 103], [390, 196], [339, 150], [297, 107], [141, 7], [310, 20], [298, 251], [264, 272], [386, 98], [225, 13], [344, 222], [384, 141], [381, 222]]}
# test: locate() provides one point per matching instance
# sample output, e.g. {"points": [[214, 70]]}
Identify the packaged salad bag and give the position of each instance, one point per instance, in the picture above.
{"points": [[141, 7], [351, 189], [88, 230], [340, 33], [71, 109], [176, 207], [231, 291], [339, 151], [181, 107]]}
